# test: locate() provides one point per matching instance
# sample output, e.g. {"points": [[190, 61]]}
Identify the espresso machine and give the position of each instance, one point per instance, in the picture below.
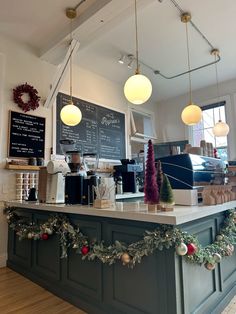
{"points": [[55, 184], [128, 172]]}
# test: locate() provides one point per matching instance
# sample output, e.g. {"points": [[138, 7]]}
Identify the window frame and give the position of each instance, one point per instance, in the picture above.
{"points": [[136, 136], [229, 116]]}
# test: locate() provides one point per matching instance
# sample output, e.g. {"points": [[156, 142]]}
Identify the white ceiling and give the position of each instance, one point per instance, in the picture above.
{"points": [[105, 29]]}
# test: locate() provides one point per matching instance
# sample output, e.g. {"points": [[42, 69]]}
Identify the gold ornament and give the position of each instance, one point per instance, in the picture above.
{"points": [[210, 266], [125, 258], [75, 246]]}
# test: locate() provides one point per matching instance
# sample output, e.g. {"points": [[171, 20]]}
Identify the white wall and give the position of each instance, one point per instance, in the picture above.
{"points": [[168, 113], [19, 64]]}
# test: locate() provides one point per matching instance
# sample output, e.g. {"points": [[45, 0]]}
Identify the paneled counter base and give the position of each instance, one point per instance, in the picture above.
{"points": [[162, 283]]}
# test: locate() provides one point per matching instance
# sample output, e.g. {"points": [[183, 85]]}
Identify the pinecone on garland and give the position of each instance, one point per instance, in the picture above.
{"points": [[166, 195]]}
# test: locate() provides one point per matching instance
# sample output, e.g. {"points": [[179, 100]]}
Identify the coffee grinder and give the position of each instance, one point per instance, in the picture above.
{"points": [[91, 161], [74, 179]]}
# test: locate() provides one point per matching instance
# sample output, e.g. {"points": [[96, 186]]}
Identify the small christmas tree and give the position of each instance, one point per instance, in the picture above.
{"points": [[151, 194], [166, 194], [159, 176]]}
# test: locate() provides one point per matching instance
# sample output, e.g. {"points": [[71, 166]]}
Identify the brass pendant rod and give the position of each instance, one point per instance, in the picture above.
{"points": [[79, 4], [217, 86], [71, 77], [189, 73], [136, 37]]}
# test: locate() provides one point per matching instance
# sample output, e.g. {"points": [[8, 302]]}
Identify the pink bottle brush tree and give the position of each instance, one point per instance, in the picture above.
{"points": [[151, 194]]}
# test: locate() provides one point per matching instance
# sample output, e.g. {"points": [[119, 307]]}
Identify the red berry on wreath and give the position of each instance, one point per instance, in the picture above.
{"points": [[84, 250], [44, 236], [192, 249]]}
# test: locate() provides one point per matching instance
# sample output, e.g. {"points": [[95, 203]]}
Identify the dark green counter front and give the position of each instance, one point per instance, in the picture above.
{"points": [[162, 284]]}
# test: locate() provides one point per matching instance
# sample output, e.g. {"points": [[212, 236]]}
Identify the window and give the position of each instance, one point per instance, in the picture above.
{"points": [[142, 126], [203, 130]]}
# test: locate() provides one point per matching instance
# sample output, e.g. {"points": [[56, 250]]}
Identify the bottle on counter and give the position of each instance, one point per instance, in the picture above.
{"points": [[119, 185]]}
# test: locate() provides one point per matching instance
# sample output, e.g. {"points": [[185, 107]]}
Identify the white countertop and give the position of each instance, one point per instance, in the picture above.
{"points": [[129, 195], [132, 211]]}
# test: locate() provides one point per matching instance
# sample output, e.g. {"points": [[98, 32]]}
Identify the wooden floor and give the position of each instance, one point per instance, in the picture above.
{"points": [[19, 295]]}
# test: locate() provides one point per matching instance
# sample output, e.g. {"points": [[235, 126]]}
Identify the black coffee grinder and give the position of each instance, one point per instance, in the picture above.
{"points": [[91, 161], [74, 179]]}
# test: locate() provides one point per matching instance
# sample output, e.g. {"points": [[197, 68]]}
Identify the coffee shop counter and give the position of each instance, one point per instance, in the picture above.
{"points": [[132, 211], [163, 283]]}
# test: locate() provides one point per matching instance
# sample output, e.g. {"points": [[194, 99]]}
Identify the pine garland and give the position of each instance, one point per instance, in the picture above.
{"points": [[163, 237]]}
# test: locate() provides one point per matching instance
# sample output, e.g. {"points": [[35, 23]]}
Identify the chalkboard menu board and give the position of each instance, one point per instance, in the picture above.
{"points": [[26, 135], [100, 131]]}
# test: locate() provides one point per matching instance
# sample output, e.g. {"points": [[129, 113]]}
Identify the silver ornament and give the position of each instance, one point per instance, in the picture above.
{"points": [[48, 231], [217, 257], [181, 249], [219, 237]]}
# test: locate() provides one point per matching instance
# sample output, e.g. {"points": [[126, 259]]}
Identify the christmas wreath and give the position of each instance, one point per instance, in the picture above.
{"points": [[33, 101], [164, 236]]}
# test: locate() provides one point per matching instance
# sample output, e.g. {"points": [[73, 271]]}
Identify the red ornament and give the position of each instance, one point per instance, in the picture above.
{"points": [[33, 101], [85, 250], [44, 236], [192, 249]]}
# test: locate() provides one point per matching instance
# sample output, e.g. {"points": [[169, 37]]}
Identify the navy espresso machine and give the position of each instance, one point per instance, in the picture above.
{"points": [[188, 171]]}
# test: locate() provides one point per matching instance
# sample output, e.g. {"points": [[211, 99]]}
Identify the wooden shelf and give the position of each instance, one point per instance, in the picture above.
{"points": [[22, 167]]}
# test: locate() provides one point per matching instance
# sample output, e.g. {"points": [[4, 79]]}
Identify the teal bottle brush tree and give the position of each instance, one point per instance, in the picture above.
{"points": [[166, 195]]}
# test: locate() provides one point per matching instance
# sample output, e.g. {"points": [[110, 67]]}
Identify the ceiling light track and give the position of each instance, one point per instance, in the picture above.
{"points": [[212, 48], [183, 13]]}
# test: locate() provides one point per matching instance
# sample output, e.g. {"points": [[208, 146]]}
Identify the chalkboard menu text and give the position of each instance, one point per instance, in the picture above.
{"points": [[26, 135], [100, 131]]}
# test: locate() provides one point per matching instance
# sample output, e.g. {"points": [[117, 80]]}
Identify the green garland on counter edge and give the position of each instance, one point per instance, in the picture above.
{"points": [[164, 236]]}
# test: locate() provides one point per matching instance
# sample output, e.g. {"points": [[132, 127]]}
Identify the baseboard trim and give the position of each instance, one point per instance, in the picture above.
{"points": [[3, 260]]}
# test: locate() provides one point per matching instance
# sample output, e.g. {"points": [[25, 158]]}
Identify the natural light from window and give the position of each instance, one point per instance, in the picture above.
{"points": [[203, 130]]}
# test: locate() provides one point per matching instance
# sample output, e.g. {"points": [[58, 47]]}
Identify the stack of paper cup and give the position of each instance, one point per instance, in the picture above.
{"points": [[24, 182], [19, 186], [33, 180]]}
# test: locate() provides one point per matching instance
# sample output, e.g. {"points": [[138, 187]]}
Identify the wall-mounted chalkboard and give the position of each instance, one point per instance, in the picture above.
{"points": [[100, 131], [26, 135]]}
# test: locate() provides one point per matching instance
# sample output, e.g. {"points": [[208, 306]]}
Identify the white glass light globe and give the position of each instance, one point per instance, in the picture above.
{"points": [[192, 114], [138, 89], [220, 129], [71, 115]]}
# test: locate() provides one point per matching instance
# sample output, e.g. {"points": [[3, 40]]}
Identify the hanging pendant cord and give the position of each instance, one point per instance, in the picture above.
{"points": [[218, 88], [136, 37], [189, 73], [71, 60]]}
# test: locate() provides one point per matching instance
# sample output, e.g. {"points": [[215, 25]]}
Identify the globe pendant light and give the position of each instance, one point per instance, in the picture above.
{"points": [[137, 88], [220, 128], [192, 114], [71, 114]]}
